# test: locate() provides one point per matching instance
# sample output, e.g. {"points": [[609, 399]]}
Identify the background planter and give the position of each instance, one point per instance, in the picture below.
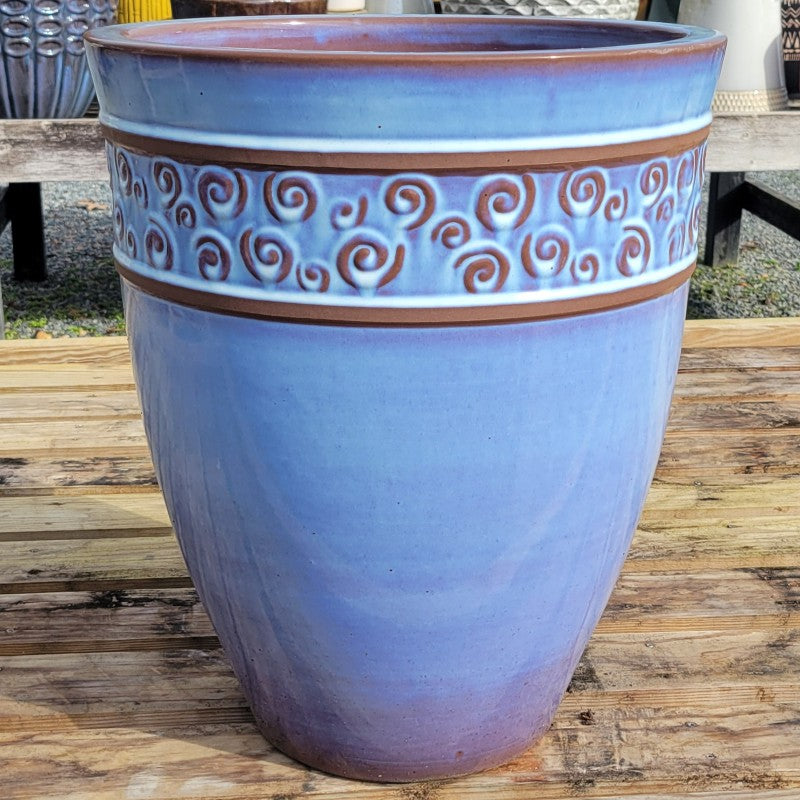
{"points": [[405, 370], [43, 72], [186, 9], [143, 10], [622, 9], [790, 12], [752, 78]]}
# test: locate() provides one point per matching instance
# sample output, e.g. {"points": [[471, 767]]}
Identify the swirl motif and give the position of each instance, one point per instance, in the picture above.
{"points": [[549, 255], [677, 240], [119, 225], [585, 267], [130, 243], [694, 224], [140, 193], [687, 173], [486, 268], [505, 202], [653, 181], [634, 251], [222, 192], [185, 215], [345, 215], [666, 208], [267, 255], [158, 249], [313, 278], [452, 232], [413, 197], [168, 182], [213, 257], [617, 206], [366, 263], [581, 193], [124, 174], [290, 196]]}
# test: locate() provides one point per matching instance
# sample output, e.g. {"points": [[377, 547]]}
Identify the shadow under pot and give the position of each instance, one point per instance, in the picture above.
{"points": [[43, 72], [405, 357], [187, 9]]}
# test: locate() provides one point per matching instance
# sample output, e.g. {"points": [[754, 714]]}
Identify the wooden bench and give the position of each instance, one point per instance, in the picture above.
{"points": [[113, 685], [33, 151]]}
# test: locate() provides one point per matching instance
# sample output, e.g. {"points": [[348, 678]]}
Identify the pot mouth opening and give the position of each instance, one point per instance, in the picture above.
{"points": [[400, 38]]}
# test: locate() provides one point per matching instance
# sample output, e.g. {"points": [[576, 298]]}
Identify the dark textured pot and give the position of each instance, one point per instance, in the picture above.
{"points": [[405, 312], [43, 72], [186, 9], [790, 17]]}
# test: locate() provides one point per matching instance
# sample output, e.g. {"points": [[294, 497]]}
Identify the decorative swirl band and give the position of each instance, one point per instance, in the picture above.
{"points": [[282, 239]]}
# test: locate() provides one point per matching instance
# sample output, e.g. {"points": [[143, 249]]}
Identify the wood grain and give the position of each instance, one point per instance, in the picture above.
{"points": [[113, 685], [68, 150]]}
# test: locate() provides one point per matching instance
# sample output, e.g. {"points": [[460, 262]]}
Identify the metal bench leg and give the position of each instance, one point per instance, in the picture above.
{"points": [[23, 208], [726, 197]]}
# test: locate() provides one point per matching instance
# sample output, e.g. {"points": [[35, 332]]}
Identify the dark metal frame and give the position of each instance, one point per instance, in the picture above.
{"points": [[21, 206], [730, 193]]}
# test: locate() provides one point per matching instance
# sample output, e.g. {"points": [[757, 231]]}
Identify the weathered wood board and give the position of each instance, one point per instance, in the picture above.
{"points": [[113, 685], [69, 150]]}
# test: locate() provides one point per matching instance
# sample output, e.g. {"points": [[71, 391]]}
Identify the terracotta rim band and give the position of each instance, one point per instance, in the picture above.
{"points": [[320, 314], [463, 162]]}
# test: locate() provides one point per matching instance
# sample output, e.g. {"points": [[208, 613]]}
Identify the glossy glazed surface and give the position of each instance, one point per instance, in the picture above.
{"points": [[455, 85], [404, 517], [403, 536]]}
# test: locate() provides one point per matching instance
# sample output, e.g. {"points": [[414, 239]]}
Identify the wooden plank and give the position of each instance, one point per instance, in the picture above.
{"points": [[69, 406], [754, 142], [744, 452], [42, 473], [52, 150], [105, 435], [69, 377], [109, 351], [743, 415], [100, 512], [68, 150], [739, 358], [733, 386]]}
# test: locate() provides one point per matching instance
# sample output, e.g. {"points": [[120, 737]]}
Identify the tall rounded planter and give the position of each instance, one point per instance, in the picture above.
{"points": [[405, 358], [752, 78], [43, 71]]}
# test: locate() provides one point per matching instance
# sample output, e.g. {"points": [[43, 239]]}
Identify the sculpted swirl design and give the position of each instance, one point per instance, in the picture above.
{"points": [[289, 235]]}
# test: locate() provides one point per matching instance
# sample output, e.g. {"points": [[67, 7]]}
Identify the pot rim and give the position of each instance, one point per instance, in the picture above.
{"points": [[655, 39]]}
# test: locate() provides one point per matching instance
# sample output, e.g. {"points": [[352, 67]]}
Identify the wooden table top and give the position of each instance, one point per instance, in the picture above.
{"points": [[112, 683]]}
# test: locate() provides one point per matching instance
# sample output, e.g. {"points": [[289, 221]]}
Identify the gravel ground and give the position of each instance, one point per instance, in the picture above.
{"points": [[82, 297]]}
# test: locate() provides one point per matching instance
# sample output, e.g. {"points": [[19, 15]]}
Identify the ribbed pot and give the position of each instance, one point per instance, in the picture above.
{"points": [[43, 72], [405, 313], [619, 9], [790, 18]]}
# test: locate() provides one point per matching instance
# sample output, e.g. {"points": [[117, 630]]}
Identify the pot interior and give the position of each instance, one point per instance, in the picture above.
{"points": [[375, 36]]}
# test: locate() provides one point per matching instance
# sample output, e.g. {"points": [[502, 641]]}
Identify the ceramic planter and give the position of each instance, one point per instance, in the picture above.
{"points": [[405, 357], [620, 9], [790, 17], [752, 79], [43, 72], [143, 10]]}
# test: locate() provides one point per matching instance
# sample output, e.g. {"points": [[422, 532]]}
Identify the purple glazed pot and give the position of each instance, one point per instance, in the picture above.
{"points": [[405, 312]]}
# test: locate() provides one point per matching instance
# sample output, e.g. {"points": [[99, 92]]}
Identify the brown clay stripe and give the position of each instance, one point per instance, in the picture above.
{"points": [[464, 163], [402, 317]]}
